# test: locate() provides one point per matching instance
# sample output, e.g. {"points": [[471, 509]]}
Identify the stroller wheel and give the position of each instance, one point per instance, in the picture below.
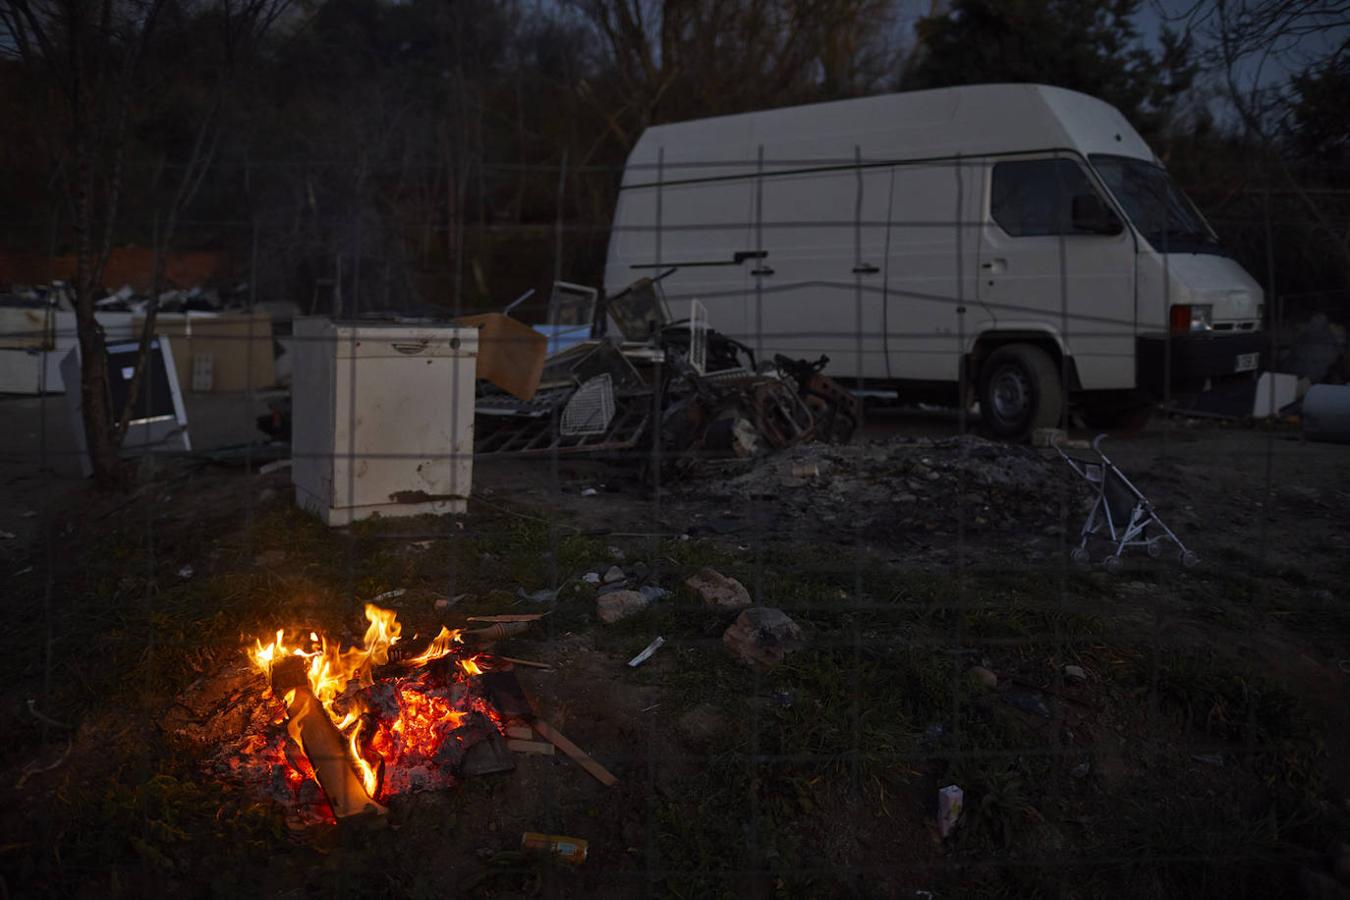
{"points": [[1080, 556], [1154, 549], [1189, 559], [1111, 564]]}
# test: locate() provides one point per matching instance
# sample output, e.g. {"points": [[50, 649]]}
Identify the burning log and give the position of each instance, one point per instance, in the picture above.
{"points": [[308, 724]]}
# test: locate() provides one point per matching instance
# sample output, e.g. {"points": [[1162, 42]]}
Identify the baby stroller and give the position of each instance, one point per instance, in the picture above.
{"points": [[1122, 514]]}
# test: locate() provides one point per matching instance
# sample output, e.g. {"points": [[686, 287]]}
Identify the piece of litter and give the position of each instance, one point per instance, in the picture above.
{"points": [[591, 578], [1081, 770], [274, 466], [541, 596], [185, 572], [388, 595], [647, 653], [650, 708], [589, 492], [29, 514], [23, 571], [568, 849], [6, 535], [950, 799], [1209, 759]]}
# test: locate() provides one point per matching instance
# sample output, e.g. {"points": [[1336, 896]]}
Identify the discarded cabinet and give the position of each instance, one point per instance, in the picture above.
{"points": [[158, 421], [382, 418]]}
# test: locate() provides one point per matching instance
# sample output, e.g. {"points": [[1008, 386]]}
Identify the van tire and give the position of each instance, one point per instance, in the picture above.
{"points": [[1020, 391]]}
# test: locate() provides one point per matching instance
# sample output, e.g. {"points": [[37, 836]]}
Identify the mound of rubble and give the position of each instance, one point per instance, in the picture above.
{"points": [[894, 491]]}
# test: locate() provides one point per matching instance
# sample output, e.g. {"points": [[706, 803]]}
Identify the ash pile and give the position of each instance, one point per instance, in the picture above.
{"points": [[622, 377], [903, 491]]}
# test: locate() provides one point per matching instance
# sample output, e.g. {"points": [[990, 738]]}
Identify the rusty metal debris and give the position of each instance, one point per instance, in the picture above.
{"points": [[678, 385]]}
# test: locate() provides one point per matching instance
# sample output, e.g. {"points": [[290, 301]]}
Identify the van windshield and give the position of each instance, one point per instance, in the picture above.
{"points": [[1156, 206]]}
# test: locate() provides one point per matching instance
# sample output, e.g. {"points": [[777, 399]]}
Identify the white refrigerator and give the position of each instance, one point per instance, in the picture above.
{"points": [[382, 418]]}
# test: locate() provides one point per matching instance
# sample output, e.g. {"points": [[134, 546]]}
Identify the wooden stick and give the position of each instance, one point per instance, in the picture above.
{"points": [[512, 617], [522, 662], [579, 756]]}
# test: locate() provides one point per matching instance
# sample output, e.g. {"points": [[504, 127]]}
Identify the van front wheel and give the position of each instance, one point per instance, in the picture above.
{"points": [[1020, 391]]}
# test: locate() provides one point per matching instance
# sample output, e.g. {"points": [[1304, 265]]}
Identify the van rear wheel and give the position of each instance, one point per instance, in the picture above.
{"points": [[1020, 391]]}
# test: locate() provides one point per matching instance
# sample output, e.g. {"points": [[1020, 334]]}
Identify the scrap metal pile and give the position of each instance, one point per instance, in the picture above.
{"points": [[673, 390]]}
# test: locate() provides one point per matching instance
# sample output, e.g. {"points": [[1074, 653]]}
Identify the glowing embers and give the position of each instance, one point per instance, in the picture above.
{"points": [[380, 727]]}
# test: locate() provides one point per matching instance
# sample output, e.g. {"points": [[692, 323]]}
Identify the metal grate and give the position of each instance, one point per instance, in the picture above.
{"points": [[591, 408]]}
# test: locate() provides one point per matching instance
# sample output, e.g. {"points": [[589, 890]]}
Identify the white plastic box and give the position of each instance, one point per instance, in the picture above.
{"points": [[382, 418]]}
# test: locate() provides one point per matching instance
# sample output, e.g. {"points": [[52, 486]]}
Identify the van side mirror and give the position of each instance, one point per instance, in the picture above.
{"points": [[1091, 216]]}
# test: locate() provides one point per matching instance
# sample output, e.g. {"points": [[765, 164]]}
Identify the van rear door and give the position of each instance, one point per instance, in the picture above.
{"points": [[932, 247], [1055, 257]]}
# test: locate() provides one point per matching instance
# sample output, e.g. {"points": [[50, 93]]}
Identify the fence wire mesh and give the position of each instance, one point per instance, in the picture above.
{"points": [[907, 613]]}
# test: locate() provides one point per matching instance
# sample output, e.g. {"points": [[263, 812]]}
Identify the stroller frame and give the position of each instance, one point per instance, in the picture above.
{"points": [[1120, 513]]}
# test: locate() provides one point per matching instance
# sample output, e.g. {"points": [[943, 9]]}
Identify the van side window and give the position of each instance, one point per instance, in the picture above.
{"points": [[1035, 196]]}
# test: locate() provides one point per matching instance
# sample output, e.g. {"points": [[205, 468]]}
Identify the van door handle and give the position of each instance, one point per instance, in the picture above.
{"points": [[998, 264], [762, 271], [865, 269]]}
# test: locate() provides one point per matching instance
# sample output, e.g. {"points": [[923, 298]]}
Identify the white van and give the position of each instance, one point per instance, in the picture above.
{"points": [[1020, 240]]}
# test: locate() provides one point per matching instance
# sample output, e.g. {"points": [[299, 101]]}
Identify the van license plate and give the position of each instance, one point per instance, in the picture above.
{"points": [[1247, 362]]}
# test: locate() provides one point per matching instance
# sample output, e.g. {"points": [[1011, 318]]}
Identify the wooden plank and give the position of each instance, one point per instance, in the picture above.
{"points": [[579, 756], [520, 732], [530, 747]]}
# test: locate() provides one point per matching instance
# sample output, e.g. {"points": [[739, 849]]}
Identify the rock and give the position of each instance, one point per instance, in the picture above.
{"points": [[618, 605], [761, 637], [614, 574], [982, 677], [701, 726], [1075, 673], [719, 592], [653, 592], [591, 578], [615, 553], [640, 570]]}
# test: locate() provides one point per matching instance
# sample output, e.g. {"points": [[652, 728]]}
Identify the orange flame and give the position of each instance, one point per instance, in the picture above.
{"points": [[424, 719], [441, 645], [363, 768]]}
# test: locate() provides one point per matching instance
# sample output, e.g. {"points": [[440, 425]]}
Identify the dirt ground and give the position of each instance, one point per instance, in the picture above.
{"points": [[1201, 752]]}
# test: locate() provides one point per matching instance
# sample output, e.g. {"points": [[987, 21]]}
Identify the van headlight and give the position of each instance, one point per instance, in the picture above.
{"points": [[1191, 318]]}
